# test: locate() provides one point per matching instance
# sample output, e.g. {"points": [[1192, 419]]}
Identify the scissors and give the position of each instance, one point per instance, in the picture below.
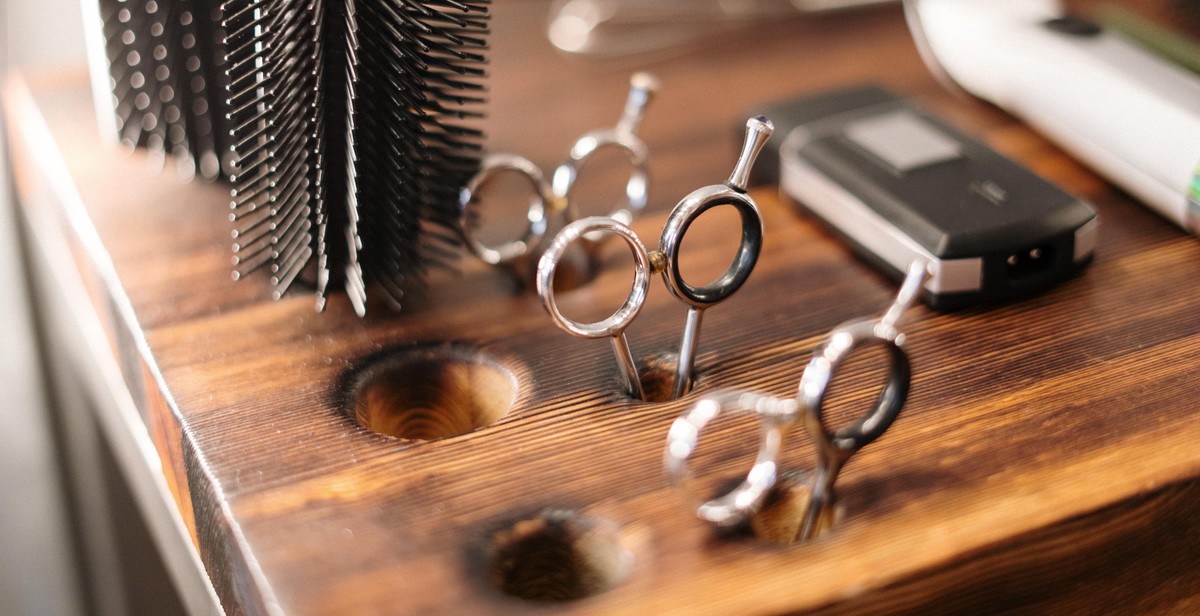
{"points": [[777, 416], [554, 196], [665, 260]]}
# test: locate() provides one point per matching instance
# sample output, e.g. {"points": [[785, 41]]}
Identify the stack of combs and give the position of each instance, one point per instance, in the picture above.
{"points": [[166, 71], [349, 126]]}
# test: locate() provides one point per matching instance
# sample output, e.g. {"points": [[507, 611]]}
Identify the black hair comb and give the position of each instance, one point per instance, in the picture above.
{"points": [[164, 61], [352, 133], [345, 126]]}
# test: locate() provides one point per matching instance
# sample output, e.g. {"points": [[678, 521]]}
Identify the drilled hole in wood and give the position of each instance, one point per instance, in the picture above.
{"points": [[657, 374], [781, 517], [559, 556], [432, 393]]}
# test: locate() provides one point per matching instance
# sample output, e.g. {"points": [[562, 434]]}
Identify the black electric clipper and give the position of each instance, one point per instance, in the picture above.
{"points": [[898, 185]]}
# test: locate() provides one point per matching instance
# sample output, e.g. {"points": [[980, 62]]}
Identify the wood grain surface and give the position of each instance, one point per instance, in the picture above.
{"points": [[1046, 460]]}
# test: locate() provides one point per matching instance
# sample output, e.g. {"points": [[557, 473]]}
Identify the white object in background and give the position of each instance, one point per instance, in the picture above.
{"points": [[627, 28], [1129, 114]]}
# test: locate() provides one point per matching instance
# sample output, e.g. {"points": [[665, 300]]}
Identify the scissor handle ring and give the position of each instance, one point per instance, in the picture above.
{"points": [[775, 416], [682, 217], [493, 165], [840, 343], [619, 320], [635, 188]]}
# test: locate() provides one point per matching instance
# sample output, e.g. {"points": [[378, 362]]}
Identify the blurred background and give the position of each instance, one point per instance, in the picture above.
{"points": [[36, 574]]}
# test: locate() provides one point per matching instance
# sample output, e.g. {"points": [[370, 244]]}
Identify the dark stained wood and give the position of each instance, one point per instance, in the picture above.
{"points": [[1047, 458]]}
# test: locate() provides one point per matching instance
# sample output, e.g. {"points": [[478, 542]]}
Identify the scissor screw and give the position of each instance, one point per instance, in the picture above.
{"points": [[658, 262]]}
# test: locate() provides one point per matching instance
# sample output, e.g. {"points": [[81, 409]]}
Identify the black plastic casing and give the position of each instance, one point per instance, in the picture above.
{"points": [[975, 205]]}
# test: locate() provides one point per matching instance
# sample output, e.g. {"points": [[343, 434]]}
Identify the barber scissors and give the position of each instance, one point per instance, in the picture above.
{"points": [[665, 260], [777, 416], [551, 197]]}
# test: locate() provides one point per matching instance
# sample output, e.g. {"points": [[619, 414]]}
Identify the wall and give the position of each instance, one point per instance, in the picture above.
{"points": [[36, 574]]}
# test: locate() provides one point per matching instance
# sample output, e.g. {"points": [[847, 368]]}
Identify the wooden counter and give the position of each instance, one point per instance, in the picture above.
{"points": [[1047, 458]]}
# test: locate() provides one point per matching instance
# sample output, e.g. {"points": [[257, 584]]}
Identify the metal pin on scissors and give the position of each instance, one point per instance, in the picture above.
{"points": [[550, 198], [777, 416], [666, 260]]}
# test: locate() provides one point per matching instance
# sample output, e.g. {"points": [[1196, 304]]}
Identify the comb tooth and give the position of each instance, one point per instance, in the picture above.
{"points": [[405, 92], [250, 105], [251, 180], [253, 255], [235, 14], [393, 292], [268, 76], [248, 108], [287, 277], [300, 133], [150, 48], [355, 248], [249, 257], [244, 26], [117, 38], [292, 241], [210, 31], [291, 230], [350, 127], [352, 273], [248, 196], [292, 238], [135, 57], [329, 170], [162, 120], [356, 289], [251, 232], [289, 257], [187, 134]]}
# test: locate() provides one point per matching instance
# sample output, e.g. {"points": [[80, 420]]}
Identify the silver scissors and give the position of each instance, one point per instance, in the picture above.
{"points": [[665, 260], [553, 197], [777, 416]]}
